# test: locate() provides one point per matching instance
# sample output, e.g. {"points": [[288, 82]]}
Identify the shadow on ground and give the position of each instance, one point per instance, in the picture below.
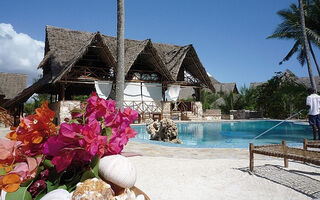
{"points": [[294, 179]]}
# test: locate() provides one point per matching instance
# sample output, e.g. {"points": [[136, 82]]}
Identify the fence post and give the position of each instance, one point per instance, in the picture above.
{"points": [[285, 151], [251, 164]]}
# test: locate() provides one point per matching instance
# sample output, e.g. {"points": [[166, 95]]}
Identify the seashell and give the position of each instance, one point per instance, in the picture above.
{"points": [[3, 195], [93, 189], [60, 194], [140, 197], [127, 195], [118, 170]]}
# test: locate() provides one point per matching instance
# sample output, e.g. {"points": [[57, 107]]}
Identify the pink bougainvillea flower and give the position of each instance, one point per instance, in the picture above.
{"points": [[27, 170], [8, 148], [98, 107], [130, 114], [119, 139], [75, 143]]}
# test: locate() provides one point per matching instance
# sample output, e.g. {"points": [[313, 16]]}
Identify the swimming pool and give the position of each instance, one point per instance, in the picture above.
{"points": [[236, 134]]}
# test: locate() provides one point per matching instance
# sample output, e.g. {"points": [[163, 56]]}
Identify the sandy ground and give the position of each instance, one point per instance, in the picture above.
{"points": [[173, 178], [166, 173]]}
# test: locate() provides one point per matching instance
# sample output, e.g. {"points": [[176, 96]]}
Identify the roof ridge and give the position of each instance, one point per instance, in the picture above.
{"points": [[14, 73]]}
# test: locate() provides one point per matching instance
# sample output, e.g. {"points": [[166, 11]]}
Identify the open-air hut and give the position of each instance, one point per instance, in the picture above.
{"points": [[77, 63]]}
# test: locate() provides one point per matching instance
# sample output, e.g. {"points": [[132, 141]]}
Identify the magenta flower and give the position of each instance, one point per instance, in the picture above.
{"points": [[75, 143], [98, 107]]}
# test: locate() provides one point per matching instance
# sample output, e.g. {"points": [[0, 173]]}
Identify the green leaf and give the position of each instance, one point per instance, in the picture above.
{"points": [[26, 184], [2, 172], [39, 196], [95, 165], [47, 163], [107, 132], [20, 194], [51, 186], [87, 174], [62, 187]]}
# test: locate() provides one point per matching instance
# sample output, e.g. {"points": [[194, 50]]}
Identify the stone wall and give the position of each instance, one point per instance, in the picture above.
{"points": [[62, 109], [245, 114], [212, 114], [197, 109], [166, 106]]}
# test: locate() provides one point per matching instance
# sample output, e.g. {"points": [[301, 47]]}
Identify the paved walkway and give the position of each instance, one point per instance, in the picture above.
{"points": [[153, 150]]}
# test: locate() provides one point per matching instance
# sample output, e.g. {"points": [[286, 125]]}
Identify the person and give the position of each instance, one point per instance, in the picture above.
{"points": [[313, 103]]}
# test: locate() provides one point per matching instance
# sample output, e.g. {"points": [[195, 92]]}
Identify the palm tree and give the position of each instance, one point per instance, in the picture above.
{"points": [[120, 55], [290, 28], [306, 45]]}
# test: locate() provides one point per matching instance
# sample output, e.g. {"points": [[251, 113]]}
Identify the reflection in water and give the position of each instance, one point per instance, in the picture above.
{"points": [[235, 134]]}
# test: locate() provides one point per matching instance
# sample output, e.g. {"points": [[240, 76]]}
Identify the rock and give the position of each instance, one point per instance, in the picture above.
{"points": [[166, 130]]}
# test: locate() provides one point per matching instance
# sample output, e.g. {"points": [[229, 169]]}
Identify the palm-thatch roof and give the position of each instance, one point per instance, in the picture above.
{"points": [[226, 88], [11, 84], [287, 74], [65, 48]]}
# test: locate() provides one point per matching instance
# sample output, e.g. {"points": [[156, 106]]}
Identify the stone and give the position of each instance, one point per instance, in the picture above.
{"points": [[166, 130]]}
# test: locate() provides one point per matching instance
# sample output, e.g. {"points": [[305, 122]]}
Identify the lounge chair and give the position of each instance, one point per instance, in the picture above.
{"points": [[282, 151], [311, 143]]}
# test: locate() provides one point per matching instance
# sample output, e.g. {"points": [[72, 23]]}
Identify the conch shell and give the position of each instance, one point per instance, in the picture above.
{"points": [[60, 194], [129, 195], [119, 170]]}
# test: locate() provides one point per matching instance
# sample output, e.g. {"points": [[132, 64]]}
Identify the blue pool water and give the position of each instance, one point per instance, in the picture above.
{"points": [[232, 134]]}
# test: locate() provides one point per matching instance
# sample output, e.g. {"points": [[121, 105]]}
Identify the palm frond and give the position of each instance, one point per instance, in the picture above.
{"points": [[293, 50], [313, 36], [301, 56]]}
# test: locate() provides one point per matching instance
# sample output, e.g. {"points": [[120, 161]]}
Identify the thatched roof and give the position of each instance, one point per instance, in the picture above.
{"points": [[226, 88], [64, 47], [11, 84], [287, 74], [255, 84], [306, 81]]}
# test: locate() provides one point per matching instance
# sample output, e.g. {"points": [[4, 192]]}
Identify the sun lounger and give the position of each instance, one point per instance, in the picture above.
{"points": [[282, 151], [311, 144]]}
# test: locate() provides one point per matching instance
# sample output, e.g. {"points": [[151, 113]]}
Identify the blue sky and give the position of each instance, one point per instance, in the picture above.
{"points": [[229, 36]]}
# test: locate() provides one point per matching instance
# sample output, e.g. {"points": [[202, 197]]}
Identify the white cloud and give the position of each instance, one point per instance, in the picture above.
{"points": [[19, 53]]}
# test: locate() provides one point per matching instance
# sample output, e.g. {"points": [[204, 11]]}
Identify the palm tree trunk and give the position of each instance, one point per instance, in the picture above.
{"points": [[120, 55], [306, 44], [314, 57]]}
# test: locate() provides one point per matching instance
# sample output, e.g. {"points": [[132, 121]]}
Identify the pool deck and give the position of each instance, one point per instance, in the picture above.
{"points": [[153, 150], [217, 173]]}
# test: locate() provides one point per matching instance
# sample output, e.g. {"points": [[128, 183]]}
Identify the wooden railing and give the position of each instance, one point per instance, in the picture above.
{"points": [[147, 109], [144, 106], [5, 117]]}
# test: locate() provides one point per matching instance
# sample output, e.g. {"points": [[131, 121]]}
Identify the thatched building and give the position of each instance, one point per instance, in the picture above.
{"points": [[11, 84], [219, 88], [76, 62], [287, 74]]}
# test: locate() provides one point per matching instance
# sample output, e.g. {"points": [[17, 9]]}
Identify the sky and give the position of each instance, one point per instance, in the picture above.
{"points": [[229, 36]]}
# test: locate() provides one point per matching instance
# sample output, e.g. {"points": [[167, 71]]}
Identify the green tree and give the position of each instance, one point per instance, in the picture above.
{"points": [[290, 28], [281, 97], [207, 98]]}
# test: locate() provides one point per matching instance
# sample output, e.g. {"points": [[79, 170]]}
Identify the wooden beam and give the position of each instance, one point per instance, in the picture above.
{"points": [[251, 162]]}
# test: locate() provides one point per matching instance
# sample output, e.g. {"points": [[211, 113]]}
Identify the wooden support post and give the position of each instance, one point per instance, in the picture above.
{"points": [[285, 151], [251, 147], [197, 93], [305, 141], [164, 88], [63, 90]]}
